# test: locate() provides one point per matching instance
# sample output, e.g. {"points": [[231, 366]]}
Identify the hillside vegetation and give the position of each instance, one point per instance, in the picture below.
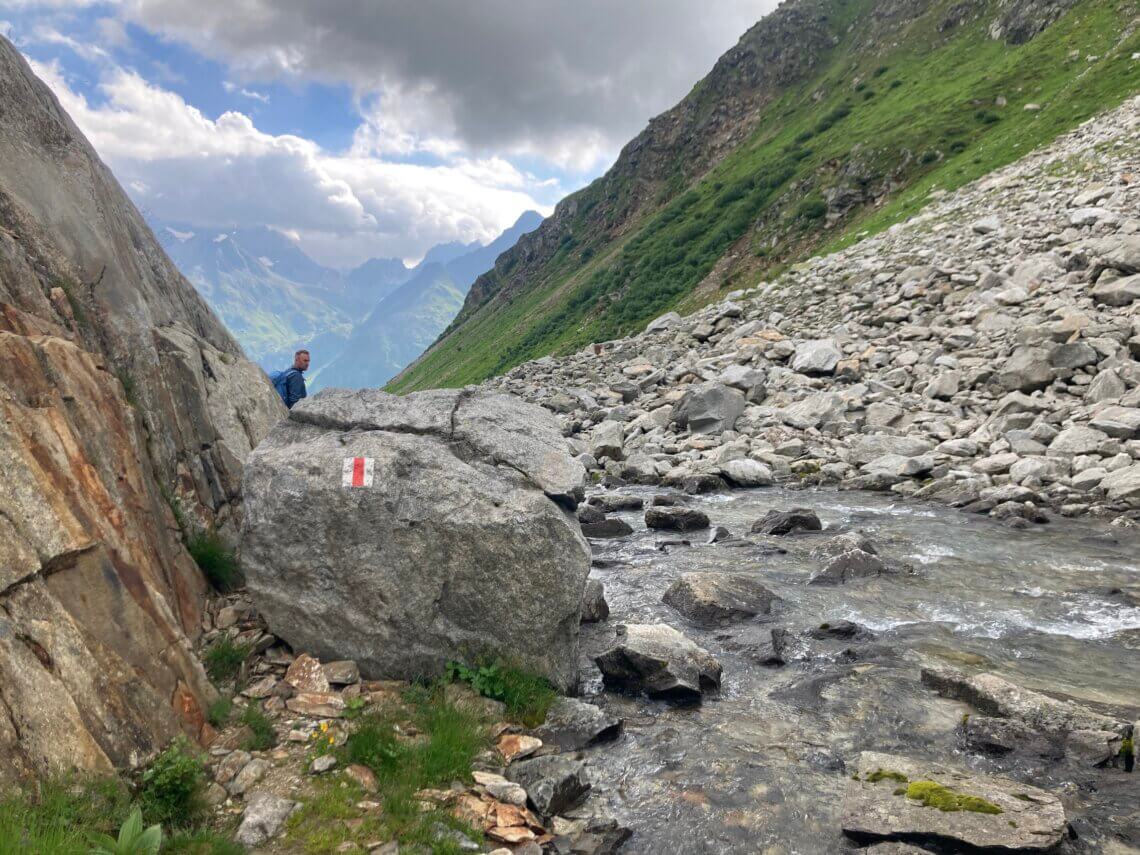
{"points": [[829, 121]]}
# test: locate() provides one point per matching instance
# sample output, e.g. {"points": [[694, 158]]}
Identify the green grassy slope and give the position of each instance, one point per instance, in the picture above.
{"points": [[905, 102]]}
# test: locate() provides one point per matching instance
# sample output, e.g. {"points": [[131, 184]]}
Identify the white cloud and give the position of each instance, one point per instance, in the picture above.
{"points": [[345, 207], [231, 88], [568, 82]]}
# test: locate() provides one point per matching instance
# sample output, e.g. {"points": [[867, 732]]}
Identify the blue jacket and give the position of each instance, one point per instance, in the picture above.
{"points": [[294, 387]]}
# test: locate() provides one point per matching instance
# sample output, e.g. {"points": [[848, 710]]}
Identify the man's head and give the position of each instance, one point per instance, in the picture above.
{"points": [[301, 360]]}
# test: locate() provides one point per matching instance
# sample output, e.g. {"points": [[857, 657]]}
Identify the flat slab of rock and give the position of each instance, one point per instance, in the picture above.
{"points": [[853, 564], [406, 532], [1009, 816], [608, 527], [657, 659], [676, 519], [610, 502], [996, 696], [715, 599], [572, 724]]}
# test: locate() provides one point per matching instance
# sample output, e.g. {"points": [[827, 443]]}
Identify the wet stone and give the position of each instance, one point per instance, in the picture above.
{"points": [[657, 659], [553, 784], [676, 519], [594, 605], [894, 798], [787, 522], [714, 599], [606, 528], [572, 724]]}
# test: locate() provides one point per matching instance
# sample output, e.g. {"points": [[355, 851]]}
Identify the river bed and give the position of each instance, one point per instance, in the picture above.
{"points": [[761, 765]]}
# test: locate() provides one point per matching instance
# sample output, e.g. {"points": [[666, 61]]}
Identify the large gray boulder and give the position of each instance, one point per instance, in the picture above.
{"points": [[461, 543], [709, 408]]}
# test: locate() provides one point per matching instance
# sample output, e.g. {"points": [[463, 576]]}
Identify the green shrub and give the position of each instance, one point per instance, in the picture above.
{"points": [[812, 208], [219, 711], [263, 736], [216, 560], [133, 839], [171, 788], [928, 156], [223, 659], [527, 696], [987, 117]]}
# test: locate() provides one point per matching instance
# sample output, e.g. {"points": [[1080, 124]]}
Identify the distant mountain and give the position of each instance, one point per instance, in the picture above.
{"points": [[407, 321], [275, 299]]}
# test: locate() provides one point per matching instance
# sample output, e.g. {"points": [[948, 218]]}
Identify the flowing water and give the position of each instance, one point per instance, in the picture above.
{"points": [[761, 765]]}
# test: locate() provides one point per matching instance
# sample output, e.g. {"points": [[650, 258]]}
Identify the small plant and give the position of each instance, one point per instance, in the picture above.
{"points": [[216, 560], [372, 744], [263, 737], [223, 659], [130, 388], [171, 788], [133, 838], [811, 209], [987, 117], [527, 696], [353, 707], [218, 714]]}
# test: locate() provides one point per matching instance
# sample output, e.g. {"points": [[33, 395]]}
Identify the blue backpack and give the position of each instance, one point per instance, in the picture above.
{"points": [[280, 381]]}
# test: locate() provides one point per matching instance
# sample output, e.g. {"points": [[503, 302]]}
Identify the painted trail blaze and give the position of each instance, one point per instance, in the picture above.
{"points": [[357, 472]]}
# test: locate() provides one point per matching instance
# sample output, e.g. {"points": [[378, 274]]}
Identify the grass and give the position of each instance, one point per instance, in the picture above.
{"points": [[931, 122], [527, 696], [223, 659], [262, 737], [215, 558], [218, 713], [68, 815], [62, 815], [447, 742], [171, 789]]}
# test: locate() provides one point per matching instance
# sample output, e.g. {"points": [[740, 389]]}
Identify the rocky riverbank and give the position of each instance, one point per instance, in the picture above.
{"points": [[983, 354]]}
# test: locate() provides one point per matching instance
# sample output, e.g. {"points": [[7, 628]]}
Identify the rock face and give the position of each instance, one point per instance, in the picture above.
{"points": [[120, 389], [1006, 816], [462, 541]]}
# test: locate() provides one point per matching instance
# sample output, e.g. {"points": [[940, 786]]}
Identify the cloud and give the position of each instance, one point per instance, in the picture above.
{"points": [[245, 93], [568, 82], [181, 165]]}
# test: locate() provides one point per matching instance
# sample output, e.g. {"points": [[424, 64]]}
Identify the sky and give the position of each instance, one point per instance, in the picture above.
{"points": [[366, 128]]}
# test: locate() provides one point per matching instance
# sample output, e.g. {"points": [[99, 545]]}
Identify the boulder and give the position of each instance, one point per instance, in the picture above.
{"points": [[710, 408], [657, 659], [607, 527], [787, 522], [892, 798], [747, 473], [1123, 485], [263, 818], [572, 724], [667, 321], [676, 519], [713, 598], [406, 532], [553, 784], [1119, 292], [610, 502], [996, 696], [1026, 370], [853, 564], [608, 441], [816, 357], [594, 605], [874, 446]]}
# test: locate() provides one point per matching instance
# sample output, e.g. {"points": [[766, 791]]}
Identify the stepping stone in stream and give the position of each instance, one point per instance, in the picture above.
{"points": [[660, 661], [715, 599], [893, 798]]}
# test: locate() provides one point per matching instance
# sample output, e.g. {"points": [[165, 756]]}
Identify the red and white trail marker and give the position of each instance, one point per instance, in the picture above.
{"points": [[357, 472]]}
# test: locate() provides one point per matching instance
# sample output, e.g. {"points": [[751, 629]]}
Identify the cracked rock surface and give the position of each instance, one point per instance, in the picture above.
{"points": [[464, 544]]}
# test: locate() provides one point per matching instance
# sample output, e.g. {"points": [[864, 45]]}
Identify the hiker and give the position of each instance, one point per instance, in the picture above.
{"points": [[290, 383]]}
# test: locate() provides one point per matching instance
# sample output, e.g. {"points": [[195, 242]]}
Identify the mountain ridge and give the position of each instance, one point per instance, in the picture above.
{"points": [[773, 157]]}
